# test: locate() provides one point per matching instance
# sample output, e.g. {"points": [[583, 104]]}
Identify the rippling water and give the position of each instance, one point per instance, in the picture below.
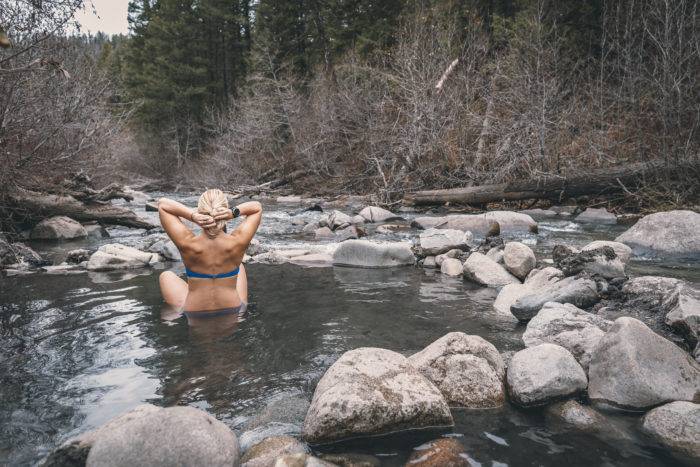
{"points": [[82, 348]]}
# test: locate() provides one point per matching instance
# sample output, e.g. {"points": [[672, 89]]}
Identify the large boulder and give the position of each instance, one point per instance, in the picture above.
{"points": [[366, 254], [115, 256], [377, 214], [519, 259], [572, 328], [468, 370], [581, 292], [483, 270], [511, 222], [665, 234], [602, 261], [451, 267], [537, 375], [370, 391], [74, 452], [634, 368], [164, 437], [475, 223], [438, 241], [621, 250], [58, 228], [599, 216], [264, 453], [677, 427]]}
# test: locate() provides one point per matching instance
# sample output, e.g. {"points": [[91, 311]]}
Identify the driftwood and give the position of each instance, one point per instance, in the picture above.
{"points": [[594, 182], [43, 205]]}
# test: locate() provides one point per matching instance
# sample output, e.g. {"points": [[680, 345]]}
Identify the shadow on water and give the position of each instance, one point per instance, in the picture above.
{"points": [[80, 349]]}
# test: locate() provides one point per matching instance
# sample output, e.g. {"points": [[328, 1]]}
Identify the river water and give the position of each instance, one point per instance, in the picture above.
{"points": [[79, 349]]}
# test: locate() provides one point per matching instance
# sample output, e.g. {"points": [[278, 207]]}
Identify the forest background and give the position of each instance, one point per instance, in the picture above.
{"points": [[353, 96]]}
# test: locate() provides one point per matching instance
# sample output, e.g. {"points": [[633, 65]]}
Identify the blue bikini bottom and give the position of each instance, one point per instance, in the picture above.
{"points": [[214, 313]]}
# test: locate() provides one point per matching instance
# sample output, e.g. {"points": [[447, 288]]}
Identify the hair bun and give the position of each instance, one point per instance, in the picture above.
{"points": [[209, 202]]}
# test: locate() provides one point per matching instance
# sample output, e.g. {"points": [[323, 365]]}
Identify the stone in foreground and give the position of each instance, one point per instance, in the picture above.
{"points": [[483, 270], [568, 326], [634, 368], [541, 374], [665, 234], [58, 228], [468, 370], [115, 256], [165, 437], [677, 427], [367, 254], [371, 391]]}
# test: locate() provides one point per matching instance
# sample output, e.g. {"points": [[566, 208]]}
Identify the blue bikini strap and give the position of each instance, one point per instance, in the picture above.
{"points": [[199, 275]]}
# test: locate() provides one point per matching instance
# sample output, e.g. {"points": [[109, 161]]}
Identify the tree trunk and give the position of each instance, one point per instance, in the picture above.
{"points": [[42, 205], [595, 182]]}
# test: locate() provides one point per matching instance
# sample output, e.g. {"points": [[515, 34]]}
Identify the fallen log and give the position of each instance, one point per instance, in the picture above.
{"points": [[594, 182], [42, 205]]}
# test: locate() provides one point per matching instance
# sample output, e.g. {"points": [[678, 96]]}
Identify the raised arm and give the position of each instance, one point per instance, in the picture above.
{"points": [[252, 210], [171, 212]]}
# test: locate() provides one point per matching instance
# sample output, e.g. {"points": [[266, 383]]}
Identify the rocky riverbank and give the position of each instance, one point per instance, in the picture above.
{"points": [[594, 338]]}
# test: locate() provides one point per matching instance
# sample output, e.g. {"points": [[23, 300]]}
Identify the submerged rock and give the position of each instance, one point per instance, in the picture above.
{"points": [[351, 460], [371, 391], [572, 328], [468, 370], [665, 234], [301, 460], [377, 214], [634, 368], [677, 427], [264, 453], [581, 292], [483, 270], [443, 452], [599, 216], [323, 233], [519, 259], [366, 254], [540, 374], [579, 416], [115, 256], [451, 267], [58, 228], [438, 241], [164, 437]]}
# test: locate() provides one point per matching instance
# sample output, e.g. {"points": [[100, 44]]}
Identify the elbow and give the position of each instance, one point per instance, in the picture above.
{"points": [[258, 206]]}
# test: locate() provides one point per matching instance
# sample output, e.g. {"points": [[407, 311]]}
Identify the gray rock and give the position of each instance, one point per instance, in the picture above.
{"points": [[572, 328], [366, 254], [539, 213], [438, 241], [665, 234], [115, 256], [496, 254], [451, 267], [339, 220], [682, 309], [167, 249], [370, 391], [171, 436], [255, 247], [649, 291], [475, 223], [377, 214], [564, 211], [677, 427], [512, 222], [429, 262], [457, 254], [581, 417], [58, 228], [483, 270], [602, 261], [347, 233], [519, 259], [96, 231], [264, 453], [540, 374], [599, 216], [151, 206], [77, 256], [621, 250], [74, 452], [323, 233], [577, 291], [19, 256], [634, 368], [468, 370]]}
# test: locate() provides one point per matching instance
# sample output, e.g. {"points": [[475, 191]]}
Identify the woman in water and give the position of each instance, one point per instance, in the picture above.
{"points": [[217, 284]]}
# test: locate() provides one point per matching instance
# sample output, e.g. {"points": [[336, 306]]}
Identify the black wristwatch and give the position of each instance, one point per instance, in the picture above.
{"points": [[236, 212]]}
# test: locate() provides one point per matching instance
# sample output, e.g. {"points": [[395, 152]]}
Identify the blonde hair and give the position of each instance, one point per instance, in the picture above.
{"points": [[210, 202]]}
